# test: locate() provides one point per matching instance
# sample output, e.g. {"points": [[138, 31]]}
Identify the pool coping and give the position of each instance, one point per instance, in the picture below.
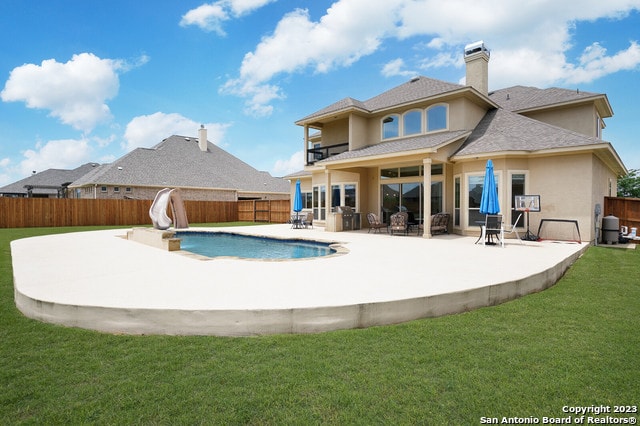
{"points": [[156, 292]]}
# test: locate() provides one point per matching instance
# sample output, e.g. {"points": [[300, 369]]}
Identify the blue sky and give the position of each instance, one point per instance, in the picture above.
{"points": [[88, 81]]}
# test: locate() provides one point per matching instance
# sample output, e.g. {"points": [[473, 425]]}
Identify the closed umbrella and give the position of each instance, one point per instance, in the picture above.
{"points": [[489, 203], [297, 201]]}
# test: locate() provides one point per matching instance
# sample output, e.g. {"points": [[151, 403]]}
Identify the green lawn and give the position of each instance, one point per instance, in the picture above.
{"points": [[576, 344]]}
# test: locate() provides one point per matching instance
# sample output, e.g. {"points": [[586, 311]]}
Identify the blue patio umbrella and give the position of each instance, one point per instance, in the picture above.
{"points": [[297, 202], [489, 203], [297, 198]]}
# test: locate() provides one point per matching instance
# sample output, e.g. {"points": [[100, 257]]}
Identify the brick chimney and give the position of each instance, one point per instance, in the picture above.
{"points": [[476, 56], [202, 138]]}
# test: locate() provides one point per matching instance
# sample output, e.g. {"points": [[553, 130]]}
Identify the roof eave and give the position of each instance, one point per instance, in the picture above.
{"points": [[600, 100]]}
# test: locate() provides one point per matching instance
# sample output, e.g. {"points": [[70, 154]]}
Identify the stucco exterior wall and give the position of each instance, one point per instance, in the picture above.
{"points": [[564, 184], [358, 132], [335, 132], [581, 119], [464, 114]]}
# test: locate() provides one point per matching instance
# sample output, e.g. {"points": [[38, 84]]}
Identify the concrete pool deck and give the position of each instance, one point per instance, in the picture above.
{"points": [[101, 281]]}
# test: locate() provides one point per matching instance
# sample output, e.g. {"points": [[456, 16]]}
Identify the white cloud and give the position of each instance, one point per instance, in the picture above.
{"points": [[594, 63], [293, 164], [148, 130], [350, 29], [58, 154], [396, 68], [210, 16], [75, 92], [529, 44]]}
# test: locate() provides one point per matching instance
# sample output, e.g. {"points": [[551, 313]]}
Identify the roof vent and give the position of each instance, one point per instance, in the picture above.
{"points": [[187, 139], [414, 79]]}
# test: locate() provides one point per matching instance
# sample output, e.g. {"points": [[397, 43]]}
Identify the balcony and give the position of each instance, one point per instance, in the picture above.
{"points": [[320, 153]]}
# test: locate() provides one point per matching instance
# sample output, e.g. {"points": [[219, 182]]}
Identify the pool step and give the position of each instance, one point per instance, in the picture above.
{"points": [[162, 239]]}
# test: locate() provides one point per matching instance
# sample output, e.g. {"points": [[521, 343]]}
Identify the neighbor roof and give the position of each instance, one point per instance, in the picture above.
{"points": [[49, 181], [178, 162]]}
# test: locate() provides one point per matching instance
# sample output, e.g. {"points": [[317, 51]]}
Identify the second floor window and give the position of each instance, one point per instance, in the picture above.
{"points": [[412, 123], [436, 118], [390, 127]]}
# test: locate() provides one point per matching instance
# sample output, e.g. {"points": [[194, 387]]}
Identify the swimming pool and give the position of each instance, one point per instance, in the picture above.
{"points": [[217, 244]]}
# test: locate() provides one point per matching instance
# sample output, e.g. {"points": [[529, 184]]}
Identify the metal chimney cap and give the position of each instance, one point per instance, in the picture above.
{"points": [[475, 47]]}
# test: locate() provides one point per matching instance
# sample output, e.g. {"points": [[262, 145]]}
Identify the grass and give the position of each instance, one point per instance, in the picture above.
{"points": [[577, 344]]}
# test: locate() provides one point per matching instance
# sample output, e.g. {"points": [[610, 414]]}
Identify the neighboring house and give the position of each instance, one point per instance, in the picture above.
{"points": [[51, 183], [202, 171], [422, 147]]}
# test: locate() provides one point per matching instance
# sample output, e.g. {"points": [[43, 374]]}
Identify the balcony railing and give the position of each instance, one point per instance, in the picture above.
{"points": [[317, 154]]}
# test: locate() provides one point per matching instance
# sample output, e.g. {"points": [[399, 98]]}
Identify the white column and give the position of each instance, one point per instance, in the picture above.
{"points": [[306, 145], [426, 208], [328, 196]]}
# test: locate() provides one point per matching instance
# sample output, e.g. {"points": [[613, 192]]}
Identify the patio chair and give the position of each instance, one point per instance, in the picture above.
{"points": [[514, 230], [375, 224], [440, 223], [399, 223], [307, 221], [493, 228], [296, 221]]}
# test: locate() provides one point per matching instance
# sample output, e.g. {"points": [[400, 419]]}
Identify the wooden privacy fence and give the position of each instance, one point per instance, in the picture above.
{"points": [[627, 210], [272, 211], [47, 212]]}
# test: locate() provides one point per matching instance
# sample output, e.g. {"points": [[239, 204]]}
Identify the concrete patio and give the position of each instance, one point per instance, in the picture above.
{"points": [[101, 281]]}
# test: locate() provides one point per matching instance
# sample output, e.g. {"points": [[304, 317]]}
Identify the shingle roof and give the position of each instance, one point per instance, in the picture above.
{"points": [[178, 162], [518, 98], [503, 131], [402, 145], [414, 90], [46, 182]]}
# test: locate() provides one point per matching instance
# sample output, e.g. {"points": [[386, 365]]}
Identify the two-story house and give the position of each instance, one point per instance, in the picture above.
{"points": [[422, 147]]}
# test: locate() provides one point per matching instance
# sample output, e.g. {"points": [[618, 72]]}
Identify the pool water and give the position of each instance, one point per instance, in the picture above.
{"points": [[215, 244]]}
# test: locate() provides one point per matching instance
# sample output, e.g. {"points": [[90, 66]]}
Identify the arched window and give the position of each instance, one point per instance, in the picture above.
{"points": [[390, 128], [436, 118], [412, 123]]}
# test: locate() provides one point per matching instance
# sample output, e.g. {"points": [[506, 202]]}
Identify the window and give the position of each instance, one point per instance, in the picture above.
{"points": [[412, 123], [319, 201], [517, 188], [436, 118], [475, 184], [116, 189], [390, 127], [103, 189], [127, 190], [343, 195]]}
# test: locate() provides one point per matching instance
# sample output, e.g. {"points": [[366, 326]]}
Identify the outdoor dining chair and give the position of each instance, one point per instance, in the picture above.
{"points": [[308, 220], [374, 223], [399, 223], [493, 228]]}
